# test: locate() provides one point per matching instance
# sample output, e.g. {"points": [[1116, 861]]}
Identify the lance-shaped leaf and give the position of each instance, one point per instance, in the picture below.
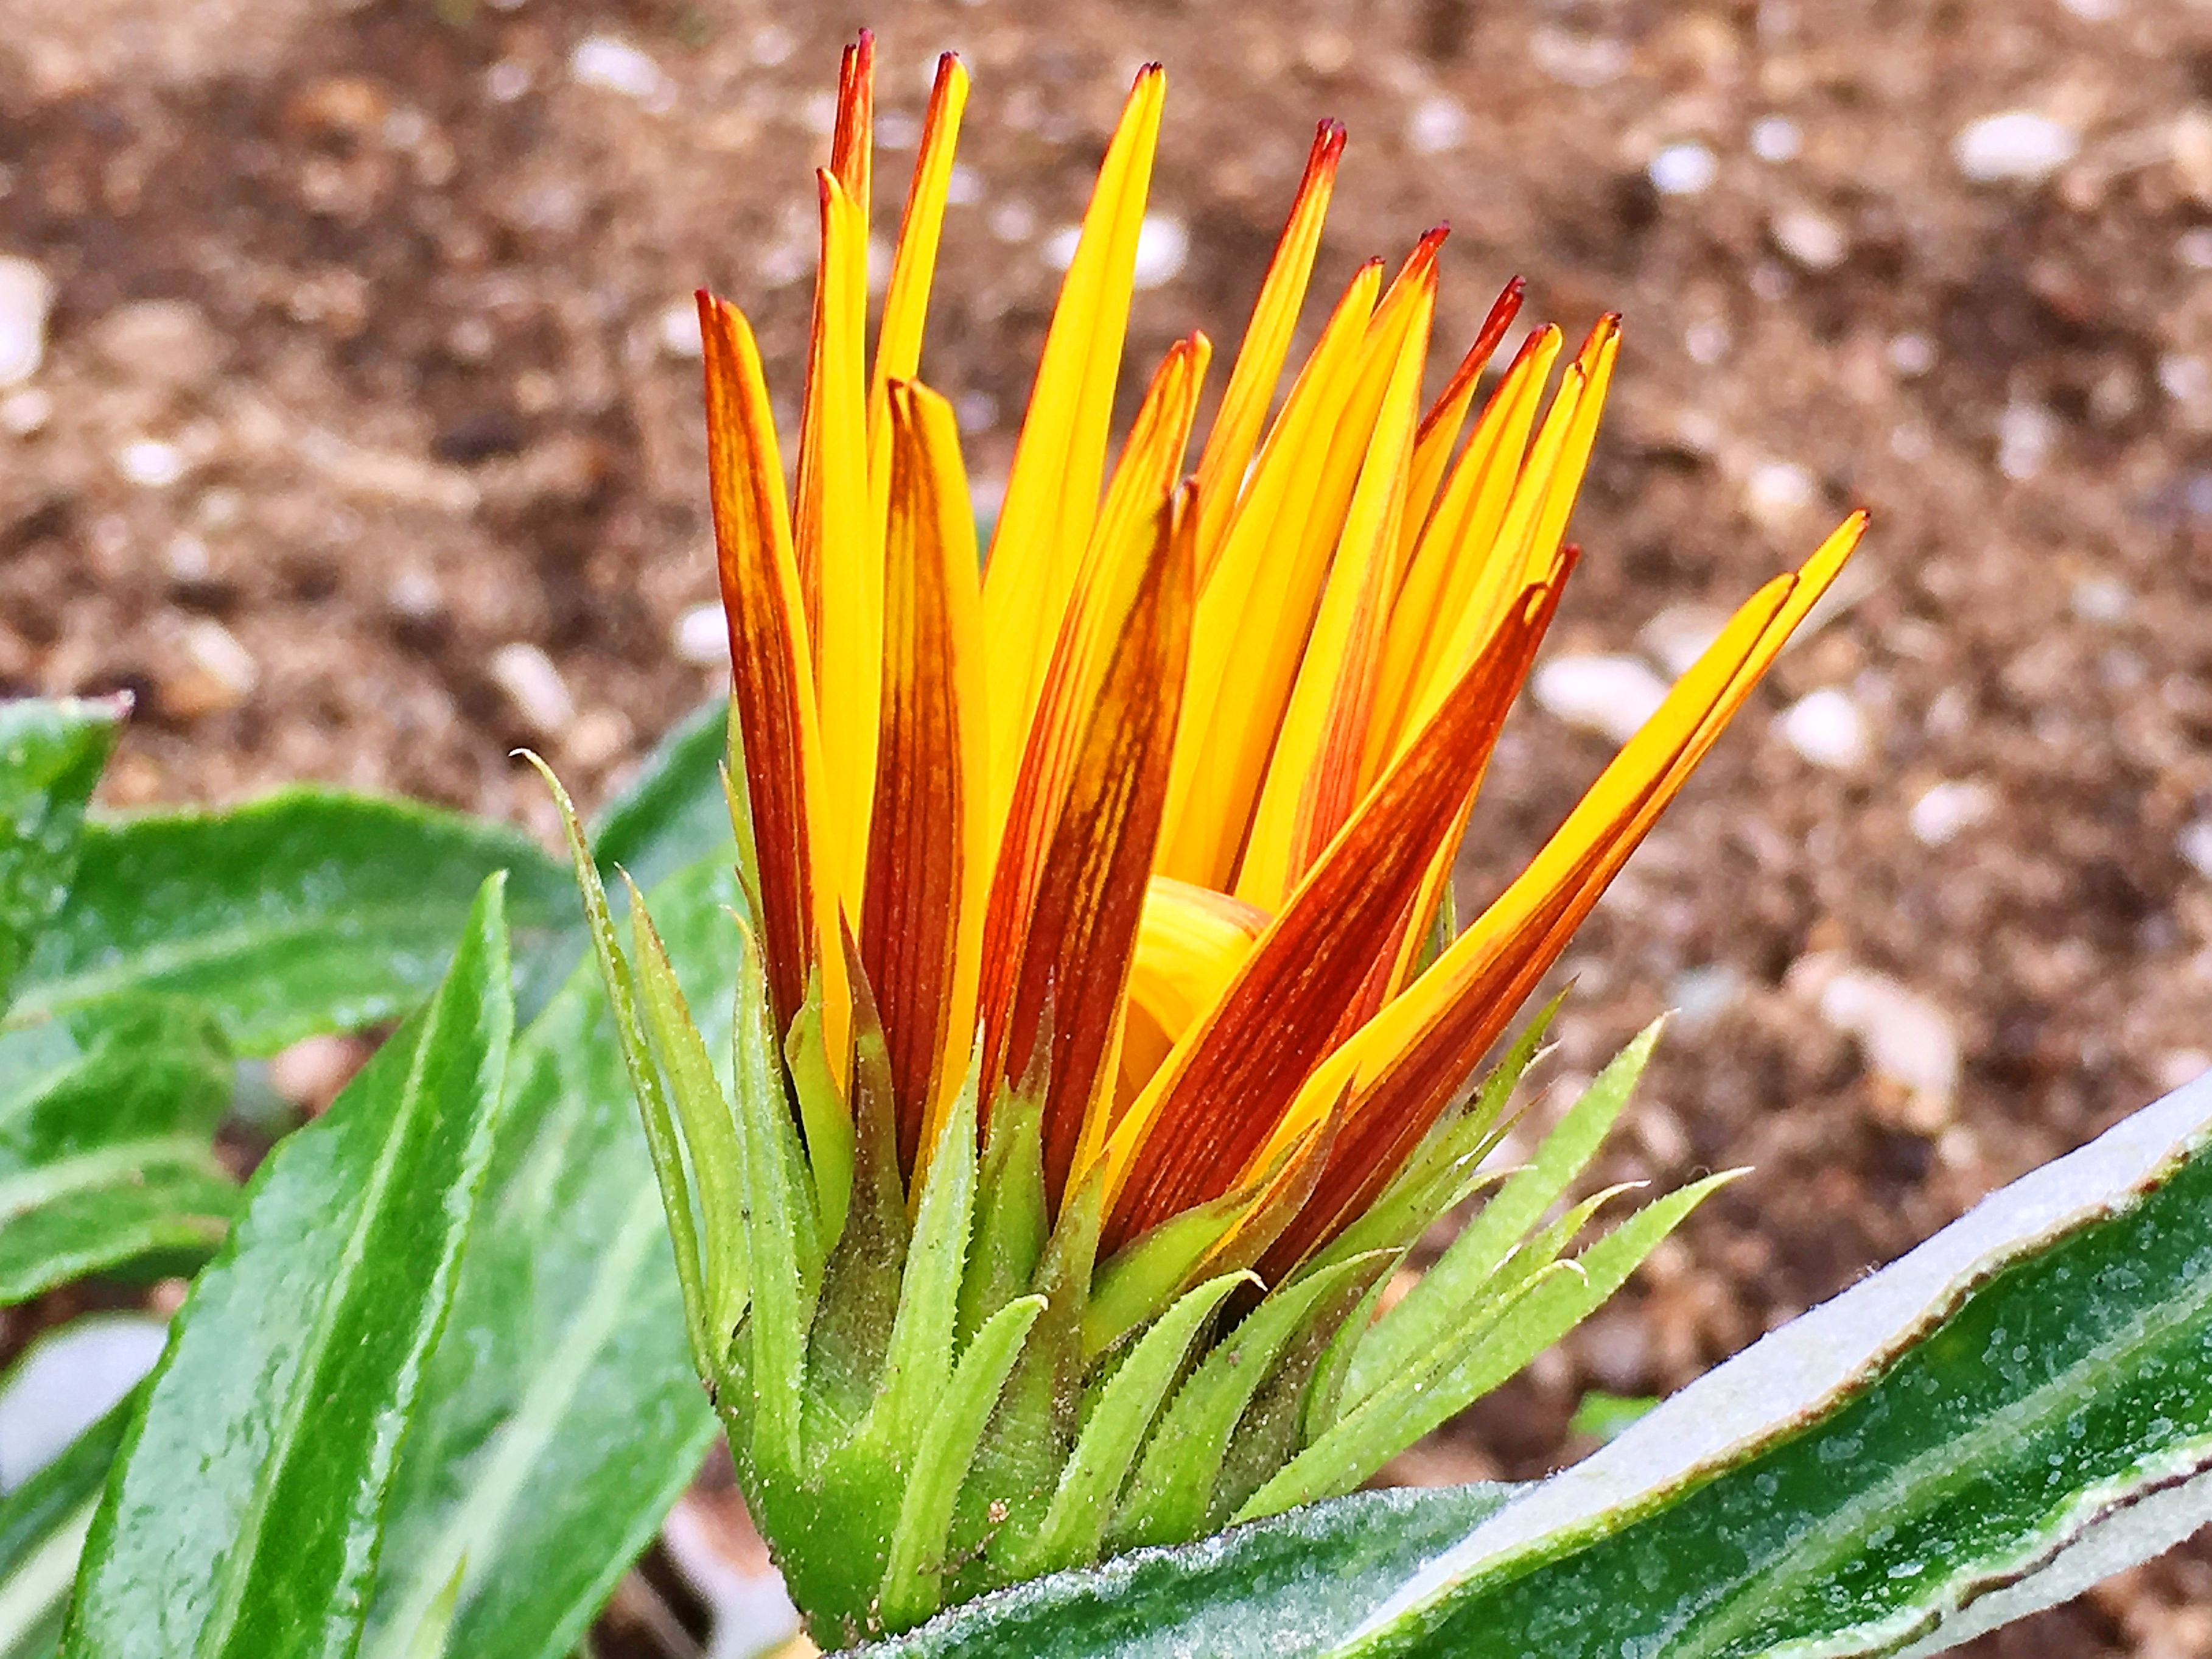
{"points": [[248, 1511], [107, 1116], [562, 1415], [308, 910], [1172, 1496], [1981, 1429], [51, 756], [1290, 1585]]}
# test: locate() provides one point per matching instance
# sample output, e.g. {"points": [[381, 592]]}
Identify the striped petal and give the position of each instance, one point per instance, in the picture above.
{"points": [[1440, 426], [771, 669], [1312, 772], [1267, 344], [1065, 994], [1404, 1065], [1060, 460], [1217, 1100], [928, 857]]}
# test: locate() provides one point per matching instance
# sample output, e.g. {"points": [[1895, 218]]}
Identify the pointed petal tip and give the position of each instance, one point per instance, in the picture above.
{"points": [[1328, 141]]}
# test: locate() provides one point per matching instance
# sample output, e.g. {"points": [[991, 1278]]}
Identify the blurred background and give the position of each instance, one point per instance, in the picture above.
{"points": [[348, 416]]}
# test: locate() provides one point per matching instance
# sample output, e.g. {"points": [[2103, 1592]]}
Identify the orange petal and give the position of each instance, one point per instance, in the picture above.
{"points": [[854, 137], [1266, 343], [1312, 775], [1123, 549], [1258, 604], [1193, 1133], [1068, 982], [1060, 460], [1457, 566], [771, 673], [1432, 447], [906, 298], [921, 933], [1405, 1064]]}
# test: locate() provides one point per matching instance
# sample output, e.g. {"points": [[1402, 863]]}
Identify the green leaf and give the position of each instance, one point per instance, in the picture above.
{"points": [[1291, 1585], [562, 1415], [105, 1117], [51, 756], [245, 1512], [308, 910], [43, 1523]]}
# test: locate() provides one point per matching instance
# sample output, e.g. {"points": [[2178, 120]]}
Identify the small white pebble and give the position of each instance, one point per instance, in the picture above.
{"points": [[1911, 355], [1826, 728], [1813, 240], [2193, 248], [2019, 144], [1163, 246], [977, 411], [25, 302], [1776, 494], [215, 650], [1906, 1038], [528, 677], [1948, 808], [150, 462], [1438, 124], [27, 295], [2183, 378], [614, 65], [965, 187], [2025, 435], [1684, 169], [26, 410], [897, 129], [1577, 60], [187, 557], [2093, 11], [772, 45], [1775, 138], [1609, 695], [819, 114], [1059, 249], [702, 636], [2195, 845], [2101, 599], [1700, 994], [1707, 342], [415, 595], [506, 80], [1013, 221], [678, 329]]}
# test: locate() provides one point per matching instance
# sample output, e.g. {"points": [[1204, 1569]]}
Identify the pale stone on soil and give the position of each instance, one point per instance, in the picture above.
{"points": [[1612, 696]]}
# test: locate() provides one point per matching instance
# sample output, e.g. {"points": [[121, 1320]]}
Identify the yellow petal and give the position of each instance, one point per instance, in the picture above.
{"points": [[1253, 615], [839, 542], [1060, 460], [1189, 946], [1312, 772], [1266, 343]]}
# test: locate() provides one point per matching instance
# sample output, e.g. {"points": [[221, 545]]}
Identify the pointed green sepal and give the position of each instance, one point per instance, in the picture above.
{"points": [[824, 1113], [1173, 1496], [912, 1581], [661, 1138], [1009, 1221], [1075, 1526]]}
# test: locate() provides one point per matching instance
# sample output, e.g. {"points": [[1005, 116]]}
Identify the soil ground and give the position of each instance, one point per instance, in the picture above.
{"points": [[364, 449]]}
